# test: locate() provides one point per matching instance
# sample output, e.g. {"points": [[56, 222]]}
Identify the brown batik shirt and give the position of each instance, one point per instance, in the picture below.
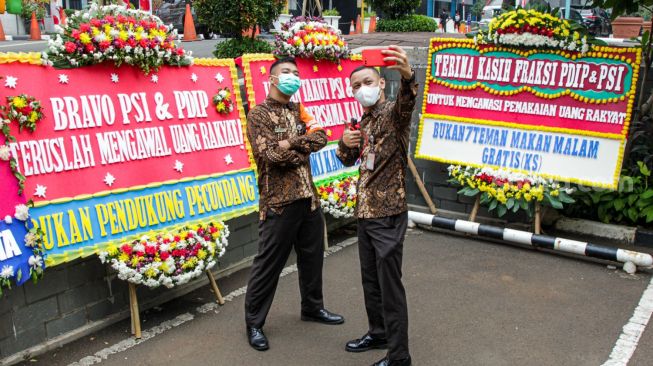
{"points": [[385, 131], [284, 176]]}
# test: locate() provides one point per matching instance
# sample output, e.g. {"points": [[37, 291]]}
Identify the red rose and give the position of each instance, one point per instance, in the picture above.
{"points": [[127, 249], [75, 34], [104, 45], [131, 42], [164, 255], [110, 19], [96, 23], [84, 27], [143, 43], [90, 48], [140, 254], [180, 51]]}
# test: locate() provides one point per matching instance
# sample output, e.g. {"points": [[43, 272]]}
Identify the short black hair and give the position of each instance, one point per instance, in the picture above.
{"points": [[361, 68], [283, 60]]}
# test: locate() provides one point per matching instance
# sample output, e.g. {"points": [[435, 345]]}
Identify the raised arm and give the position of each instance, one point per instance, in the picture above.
{"points": [[406, 97]]}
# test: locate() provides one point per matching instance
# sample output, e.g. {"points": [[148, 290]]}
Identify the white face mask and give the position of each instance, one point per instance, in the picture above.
{"points": [[367, 96]]}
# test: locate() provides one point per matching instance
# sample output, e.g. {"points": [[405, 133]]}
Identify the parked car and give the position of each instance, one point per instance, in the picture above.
{"points": [[597, 21], [490, 11], [174, 12]]}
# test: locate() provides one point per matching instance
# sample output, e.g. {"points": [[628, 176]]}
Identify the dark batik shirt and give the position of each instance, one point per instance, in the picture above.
{"points": [[385, 130], [284, 176]]}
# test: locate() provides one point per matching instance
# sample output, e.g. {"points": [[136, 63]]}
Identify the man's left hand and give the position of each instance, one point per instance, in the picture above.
{"points": [[284, 144], [398, 55]]}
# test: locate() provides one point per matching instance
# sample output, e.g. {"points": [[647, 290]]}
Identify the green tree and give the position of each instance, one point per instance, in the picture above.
{"points": [[395, 9], [232, 17], [477, 8]]}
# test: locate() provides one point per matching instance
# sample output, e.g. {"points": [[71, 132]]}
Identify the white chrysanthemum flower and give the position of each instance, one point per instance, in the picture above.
{"points": [[35, 261], [5, 152], [22, 212], [7, 272]]}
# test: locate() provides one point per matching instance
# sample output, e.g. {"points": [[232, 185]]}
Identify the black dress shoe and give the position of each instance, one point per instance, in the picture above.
{"points": [[323, 316], [387, 362], [257, 339], [366, 343]]}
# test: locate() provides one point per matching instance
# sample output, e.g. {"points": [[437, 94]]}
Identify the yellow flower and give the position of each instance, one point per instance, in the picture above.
{"points": [[134, 261], [18, 102], [201, 254], [84, 38], [528, 197], [263, 70], [123, 35], [33, 117], [150, 272], [555, 193], [164, 267], [112, 250]]}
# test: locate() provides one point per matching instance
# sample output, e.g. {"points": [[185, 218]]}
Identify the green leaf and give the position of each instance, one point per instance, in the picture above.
{"points": [[472, 192], [493, 205], [565, 198], [632, 198], [516, 207], [633, 214], [19, 275], [647, 194], [619, 204], [510, 203], [553, 201], [501, 210], [644, 169], [649, 217]]}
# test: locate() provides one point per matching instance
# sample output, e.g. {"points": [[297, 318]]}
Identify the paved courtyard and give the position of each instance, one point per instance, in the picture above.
{"points": [[471, 303]]}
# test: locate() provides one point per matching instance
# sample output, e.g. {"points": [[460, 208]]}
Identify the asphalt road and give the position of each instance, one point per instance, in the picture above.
{"points": [[470, 303]]}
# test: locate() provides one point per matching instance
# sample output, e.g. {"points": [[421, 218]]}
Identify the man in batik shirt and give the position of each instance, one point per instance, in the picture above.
{"points": [[289, 208], [381, 144]]}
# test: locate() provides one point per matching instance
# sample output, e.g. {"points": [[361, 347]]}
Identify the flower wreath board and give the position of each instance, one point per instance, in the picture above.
{"points": [[140, 162], [527, 105]]}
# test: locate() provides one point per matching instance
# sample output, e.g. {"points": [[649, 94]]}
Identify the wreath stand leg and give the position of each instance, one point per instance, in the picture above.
{"points": [[477, 205], [135, 315], [214, 285], [420, 185], [326, 236], [538, 218]]}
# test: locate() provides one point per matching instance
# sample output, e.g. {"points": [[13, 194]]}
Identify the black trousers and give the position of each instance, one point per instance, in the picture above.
{"points": [[296, 227], [380, 247]]}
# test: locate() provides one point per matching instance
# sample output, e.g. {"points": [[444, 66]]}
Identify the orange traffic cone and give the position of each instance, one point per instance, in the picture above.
{"points": [[359, 29], [62, 16], [372, 25], [2, 33], [352, 29], [34, 30], [189, 26]]}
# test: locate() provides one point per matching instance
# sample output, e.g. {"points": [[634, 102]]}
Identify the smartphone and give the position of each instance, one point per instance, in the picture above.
{"points": [[374, 57]]}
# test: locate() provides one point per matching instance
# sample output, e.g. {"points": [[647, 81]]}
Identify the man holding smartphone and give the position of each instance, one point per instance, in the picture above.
{"points": [[289, 208], [381, 143]]}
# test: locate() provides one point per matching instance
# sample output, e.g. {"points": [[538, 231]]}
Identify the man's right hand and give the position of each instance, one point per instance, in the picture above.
{"points": [[351, 139]]}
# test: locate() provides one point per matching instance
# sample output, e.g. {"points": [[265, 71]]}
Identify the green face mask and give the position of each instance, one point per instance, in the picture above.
{"points": [[288, 83]]}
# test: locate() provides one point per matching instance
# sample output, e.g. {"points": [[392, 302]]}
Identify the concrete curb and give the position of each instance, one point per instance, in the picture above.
{"points": [[623, 234]]}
